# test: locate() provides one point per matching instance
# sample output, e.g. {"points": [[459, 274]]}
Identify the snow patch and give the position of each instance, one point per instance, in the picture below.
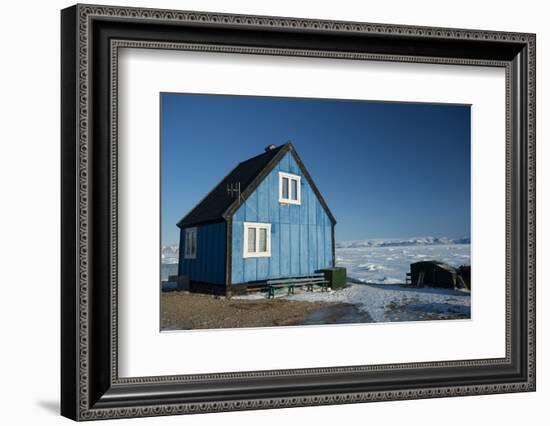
{"points": [[387, 303], [370, 267], [386, 265]]}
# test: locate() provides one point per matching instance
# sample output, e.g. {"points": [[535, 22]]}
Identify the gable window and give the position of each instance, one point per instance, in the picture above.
{"points": [[190, 243], [289, 188], [257, 239]]}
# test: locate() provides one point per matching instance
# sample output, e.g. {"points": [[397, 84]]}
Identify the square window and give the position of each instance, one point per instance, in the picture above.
{"points": [[257, 240], [289, 188]]}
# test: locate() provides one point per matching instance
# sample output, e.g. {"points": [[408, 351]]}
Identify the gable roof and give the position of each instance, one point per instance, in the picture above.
{"points": [[212, 207], [219, 205]]}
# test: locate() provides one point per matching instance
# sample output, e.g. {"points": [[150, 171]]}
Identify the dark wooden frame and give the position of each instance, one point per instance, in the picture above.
{"points": [[90, 386]]}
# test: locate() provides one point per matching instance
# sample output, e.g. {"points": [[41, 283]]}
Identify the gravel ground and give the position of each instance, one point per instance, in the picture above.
{"points": [[357, 303], [186, 311]]}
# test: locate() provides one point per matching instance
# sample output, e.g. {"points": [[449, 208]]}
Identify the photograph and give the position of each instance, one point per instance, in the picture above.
{"points": [[279, 211], [263, 209]]}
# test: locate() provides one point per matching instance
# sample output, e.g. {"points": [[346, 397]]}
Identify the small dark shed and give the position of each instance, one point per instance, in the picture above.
{"points": [[434, 273]]}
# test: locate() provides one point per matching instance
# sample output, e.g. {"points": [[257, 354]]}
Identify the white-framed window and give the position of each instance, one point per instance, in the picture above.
{"points": [[290, 191], [190, 243], [257, 239]]}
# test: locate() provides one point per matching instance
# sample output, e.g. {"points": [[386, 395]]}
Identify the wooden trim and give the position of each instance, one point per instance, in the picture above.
{"points": [[288, 147], [180, 222], [239, 289], [202, 223], [228, 254], [256, 182], [333, 246], [206, 288], [312, 183]]}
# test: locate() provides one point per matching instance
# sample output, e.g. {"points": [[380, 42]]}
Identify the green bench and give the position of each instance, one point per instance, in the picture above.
{"points": [[292, 283]]}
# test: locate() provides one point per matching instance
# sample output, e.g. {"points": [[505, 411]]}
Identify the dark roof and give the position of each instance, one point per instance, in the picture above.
{"points": [[438, 263], [212, 207], [219, 205]]}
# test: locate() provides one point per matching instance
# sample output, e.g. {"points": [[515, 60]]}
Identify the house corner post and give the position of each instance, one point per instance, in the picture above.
{"points": [[228, 256]]}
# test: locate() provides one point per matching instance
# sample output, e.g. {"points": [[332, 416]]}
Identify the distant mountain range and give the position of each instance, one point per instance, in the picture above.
{"points": [[169, 253], [422, 241]]}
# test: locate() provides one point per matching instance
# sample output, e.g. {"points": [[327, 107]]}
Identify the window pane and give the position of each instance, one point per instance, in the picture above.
{"points": [[262, 244], [294, 189], [251, 240], [285, 188]]}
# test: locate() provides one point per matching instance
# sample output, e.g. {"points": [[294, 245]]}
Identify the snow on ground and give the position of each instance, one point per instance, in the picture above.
{"points": [[375, 272], [375, 269], [388, 264], [383, 261], [387, 302]]}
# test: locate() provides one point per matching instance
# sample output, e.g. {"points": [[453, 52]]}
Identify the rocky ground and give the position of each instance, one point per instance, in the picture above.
{"points": [[185, 311], [357, 303]]}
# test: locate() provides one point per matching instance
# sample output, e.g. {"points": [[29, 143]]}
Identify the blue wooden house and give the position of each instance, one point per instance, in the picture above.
{"points": [[265, 220]]}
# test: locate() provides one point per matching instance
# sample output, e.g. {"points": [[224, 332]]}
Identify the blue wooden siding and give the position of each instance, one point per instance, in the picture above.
{"points": [[209, 265], [301, 235]]}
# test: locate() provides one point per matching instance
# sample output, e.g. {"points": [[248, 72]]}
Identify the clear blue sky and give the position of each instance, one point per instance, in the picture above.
{"points": [[386, 170]]}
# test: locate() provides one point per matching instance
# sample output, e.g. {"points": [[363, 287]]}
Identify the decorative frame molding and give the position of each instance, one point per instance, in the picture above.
{"points": [[91, 388]]}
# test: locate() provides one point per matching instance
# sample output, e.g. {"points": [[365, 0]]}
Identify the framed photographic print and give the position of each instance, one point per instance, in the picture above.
{"points": [[263, 212]]}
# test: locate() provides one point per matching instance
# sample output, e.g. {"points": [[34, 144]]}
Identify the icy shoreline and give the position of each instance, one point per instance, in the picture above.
{"points": [[376, 274], [388, 303], [390, 264]]}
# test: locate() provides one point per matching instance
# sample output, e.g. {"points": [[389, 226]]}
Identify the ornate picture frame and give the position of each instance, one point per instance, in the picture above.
{"points": [[91, 37]]}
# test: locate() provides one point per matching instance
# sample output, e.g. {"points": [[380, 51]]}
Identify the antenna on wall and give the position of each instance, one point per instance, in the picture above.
{"points": [[234, 189]]}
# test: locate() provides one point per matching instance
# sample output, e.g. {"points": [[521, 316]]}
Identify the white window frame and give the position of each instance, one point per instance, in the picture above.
{"points": [[290, 178], [190, 233], [257, 226]]}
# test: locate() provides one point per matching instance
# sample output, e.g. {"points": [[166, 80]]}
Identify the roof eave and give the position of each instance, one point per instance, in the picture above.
{"points": [[288, 147], [181, 225], [313, 186], [230, 211]]}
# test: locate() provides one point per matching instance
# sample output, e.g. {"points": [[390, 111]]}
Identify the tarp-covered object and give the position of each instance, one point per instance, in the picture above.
{"points": [[434, 273]]}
